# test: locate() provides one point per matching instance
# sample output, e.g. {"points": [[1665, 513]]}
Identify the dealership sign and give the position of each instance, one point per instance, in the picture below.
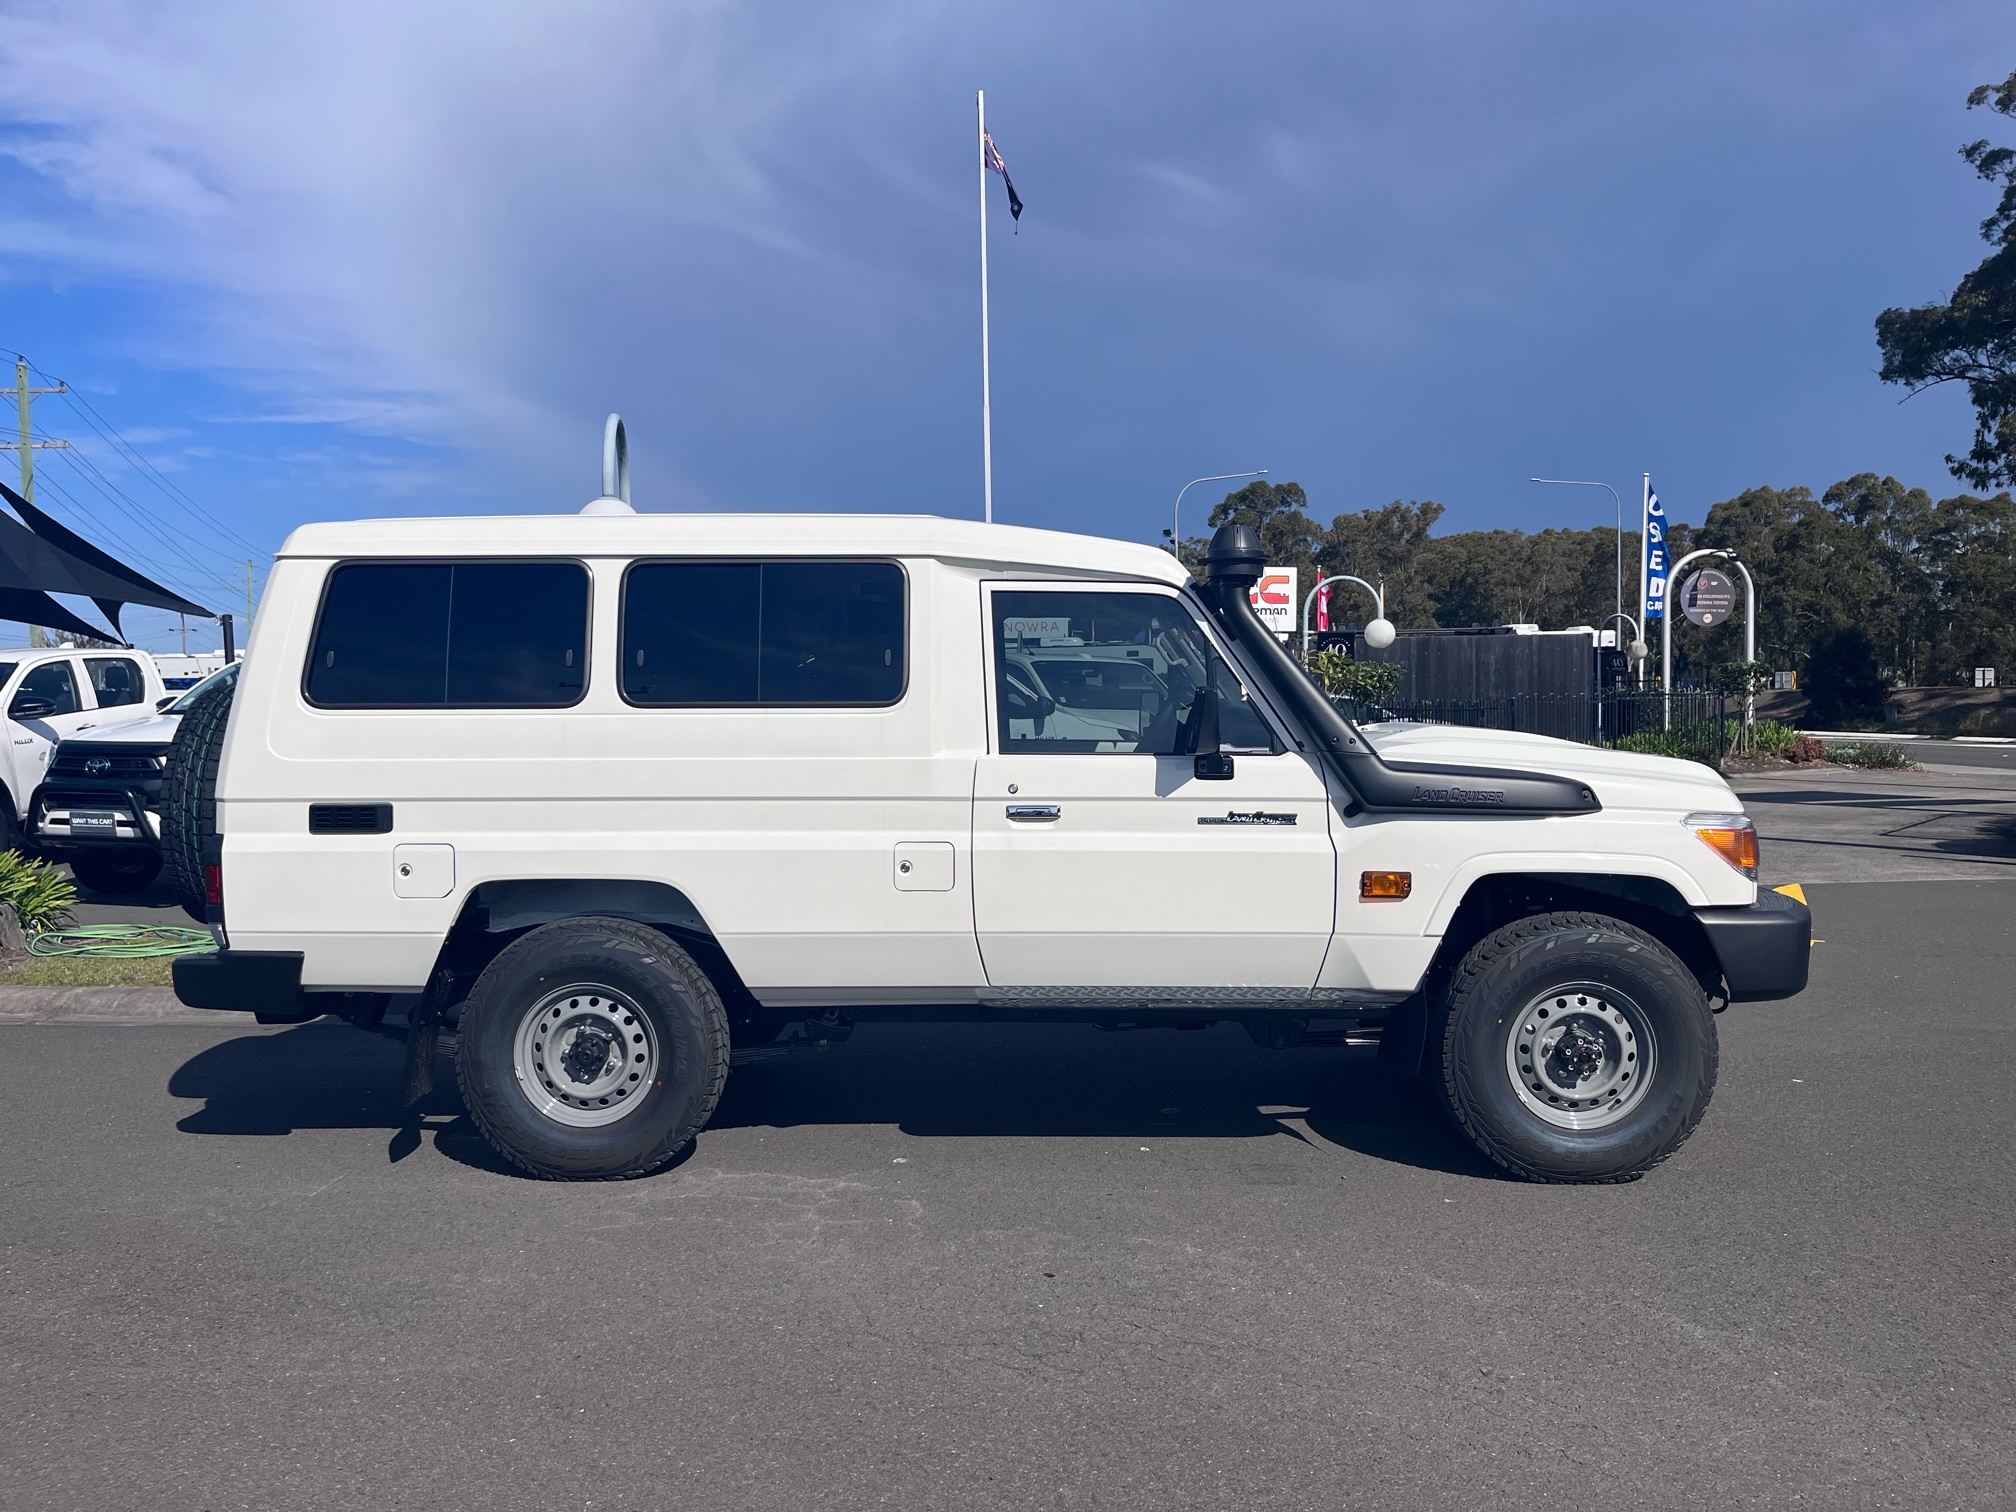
{"points": [[1274, 599], [1708, 597]]}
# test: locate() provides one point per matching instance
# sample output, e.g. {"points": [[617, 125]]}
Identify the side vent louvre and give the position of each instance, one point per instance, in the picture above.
{"points": [[349, 818]]}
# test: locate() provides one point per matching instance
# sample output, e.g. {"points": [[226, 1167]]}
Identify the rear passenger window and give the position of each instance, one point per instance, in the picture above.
{"points": [[401, 635], [115, 680], [763, 633]]}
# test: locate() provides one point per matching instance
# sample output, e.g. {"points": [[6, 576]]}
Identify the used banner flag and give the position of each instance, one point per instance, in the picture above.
{"points": [[991, 155], [1656, 559]]}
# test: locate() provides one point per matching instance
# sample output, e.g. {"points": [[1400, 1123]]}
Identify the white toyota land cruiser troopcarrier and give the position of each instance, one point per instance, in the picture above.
{"points": [[611, 792]]}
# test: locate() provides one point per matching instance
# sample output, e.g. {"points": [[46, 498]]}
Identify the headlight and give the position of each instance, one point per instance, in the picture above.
{"points": [[1731, 836]]}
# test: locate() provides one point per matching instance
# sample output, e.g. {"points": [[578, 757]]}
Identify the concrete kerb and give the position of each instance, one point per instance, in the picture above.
{"points": [[108, 1005], [1861, 735]]}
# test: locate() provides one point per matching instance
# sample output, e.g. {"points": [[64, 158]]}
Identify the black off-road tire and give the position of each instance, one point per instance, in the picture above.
{"points": [[116, 871], [1490, 1005], [189, 795], [639, 969]]}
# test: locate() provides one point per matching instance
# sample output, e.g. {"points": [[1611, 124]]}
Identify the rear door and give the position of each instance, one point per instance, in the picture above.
{"points": [[118, 688], [1100, 859]]}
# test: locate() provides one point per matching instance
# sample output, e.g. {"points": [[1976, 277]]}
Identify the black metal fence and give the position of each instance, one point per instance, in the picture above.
{"points": [[1686, 723]]}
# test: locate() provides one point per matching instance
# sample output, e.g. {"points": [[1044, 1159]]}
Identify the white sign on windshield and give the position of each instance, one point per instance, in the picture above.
{"points": [[1044, 629]]}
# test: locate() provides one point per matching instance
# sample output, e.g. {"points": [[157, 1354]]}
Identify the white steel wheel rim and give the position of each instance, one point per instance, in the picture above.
{"points": [[1581, 1056], [584, 1055]]}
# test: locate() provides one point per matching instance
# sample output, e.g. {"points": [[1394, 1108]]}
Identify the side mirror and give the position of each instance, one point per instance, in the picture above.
{"points": [[1211, 764], [161, 705], [31, 708]]}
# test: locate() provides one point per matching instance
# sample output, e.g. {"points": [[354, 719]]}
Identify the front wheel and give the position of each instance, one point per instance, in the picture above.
{"points": [[592, 1049], [1575, 1047]]}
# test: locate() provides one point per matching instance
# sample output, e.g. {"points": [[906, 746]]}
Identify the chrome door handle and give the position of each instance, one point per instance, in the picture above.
{"points": [[1034, 813]]}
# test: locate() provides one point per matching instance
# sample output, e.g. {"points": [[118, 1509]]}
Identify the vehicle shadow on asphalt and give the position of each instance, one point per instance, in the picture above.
{"points": [[328, 1076], [928, 1081]]}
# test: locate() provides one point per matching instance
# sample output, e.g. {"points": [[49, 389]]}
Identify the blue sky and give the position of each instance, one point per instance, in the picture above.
{"points": [[330, 261]]}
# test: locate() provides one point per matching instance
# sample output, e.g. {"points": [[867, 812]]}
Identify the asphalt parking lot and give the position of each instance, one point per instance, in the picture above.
{"points": [[1009, 1268]]}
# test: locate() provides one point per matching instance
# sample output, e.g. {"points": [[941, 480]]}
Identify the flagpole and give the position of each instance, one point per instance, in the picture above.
{"points": [[986, 382]]}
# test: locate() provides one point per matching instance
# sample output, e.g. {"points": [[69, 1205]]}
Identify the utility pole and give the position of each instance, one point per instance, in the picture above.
{"points": [[28, 445], [248, 590]]}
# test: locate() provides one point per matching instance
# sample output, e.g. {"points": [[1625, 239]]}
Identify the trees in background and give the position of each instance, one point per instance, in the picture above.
{"points": [[1971, 338], [1930, 585]]}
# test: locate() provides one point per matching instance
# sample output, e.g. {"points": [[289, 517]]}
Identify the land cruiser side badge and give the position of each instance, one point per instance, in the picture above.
{"points": [[1256, 817], [1482, 796]]}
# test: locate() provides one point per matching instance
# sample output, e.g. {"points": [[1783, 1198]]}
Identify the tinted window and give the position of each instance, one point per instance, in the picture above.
{"points": [[451, 635], [1111, 673], [763, 633], [52, 683], [115, 680]]}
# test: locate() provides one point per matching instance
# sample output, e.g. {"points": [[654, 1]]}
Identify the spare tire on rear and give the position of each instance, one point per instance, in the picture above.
{"points": [[189, 794]]}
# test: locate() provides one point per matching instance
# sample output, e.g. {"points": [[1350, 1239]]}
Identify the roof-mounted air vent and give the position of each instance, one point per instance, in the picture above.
{"points": [[615, 498]]}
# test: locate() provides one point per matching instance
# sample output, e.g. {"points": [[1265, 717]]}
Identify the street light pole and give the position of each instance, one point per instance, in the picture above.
{"points": [[1309, 600], [1584, 483], [1176, 515]]}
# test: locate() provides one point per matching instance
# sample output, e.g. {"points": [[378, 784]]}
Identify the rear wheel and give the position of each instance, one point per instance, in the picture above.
{"points": [[116, 871], [1575, 1047], [592, 1049]]}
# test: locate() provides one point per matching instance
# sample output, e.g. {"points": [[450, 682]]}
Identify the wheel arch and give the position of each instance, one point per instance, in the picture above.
{"points": [[497, 912], [1652, 903]]}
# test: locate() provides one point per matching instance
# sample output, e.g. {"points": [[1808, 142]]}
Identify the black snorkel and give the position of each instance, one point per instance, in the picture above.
{"points": [[1232, 565]]}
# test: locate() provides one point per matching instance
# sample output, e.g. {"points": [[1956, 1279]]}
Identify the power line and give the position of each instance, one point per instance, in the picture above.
{"points": [[98, 481], [190, 587], [110, 434]]}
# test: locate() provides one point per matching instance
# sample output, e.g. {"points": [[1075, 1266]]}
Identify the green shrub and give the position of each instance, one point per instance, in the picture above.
{"points": [[1689, 742], [1871, 753], [1773, 738], [1364, 682], [39, 894]]}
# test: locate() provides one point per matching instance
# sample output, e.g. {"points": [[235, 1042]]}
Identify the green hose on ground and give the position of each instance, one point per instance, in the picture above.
{"points": [[126, 942]]}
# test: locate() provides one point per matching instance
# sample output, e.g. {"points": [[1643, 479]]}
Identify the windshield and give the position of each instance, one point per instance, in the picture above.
{"points": [[202, 690], [7, 671]]}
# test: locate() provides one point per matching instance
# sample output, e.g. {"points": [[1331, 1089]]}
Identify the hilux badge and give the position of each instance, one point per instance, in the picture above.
{"points": [[98, 766]]}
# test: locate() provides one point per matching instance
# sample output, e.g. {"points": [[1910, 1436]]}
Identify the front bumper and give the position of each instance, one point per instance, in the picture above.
{"points": [[136, 819], [1763, 949]]}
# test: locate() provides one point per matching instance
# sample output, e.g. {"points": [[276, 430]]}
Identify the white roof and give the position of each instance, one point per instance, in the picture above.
{"points": [[628, 535]]}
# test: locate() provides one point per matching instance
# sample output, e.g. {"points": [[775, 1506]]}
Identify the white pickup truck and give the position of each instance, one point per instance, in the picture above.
{"points": [[54, 694], [612, 792]]}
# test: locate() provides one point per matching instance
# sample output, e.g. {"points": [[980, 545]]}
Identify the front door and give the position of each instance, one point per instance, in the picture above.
{"points": [[45, 707], [1100, 860]]}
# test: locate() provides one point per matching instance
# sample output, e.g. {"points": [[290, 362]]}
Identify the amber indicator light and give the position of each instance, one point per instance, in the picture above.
{"points": [[1385, 884], [1736, 846], [1730, 836]]}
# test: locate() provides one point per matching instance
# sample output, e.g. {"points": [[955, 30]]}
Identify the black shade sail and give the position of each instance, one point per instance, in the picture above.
{"points": [[32, 608], [44, 557]]}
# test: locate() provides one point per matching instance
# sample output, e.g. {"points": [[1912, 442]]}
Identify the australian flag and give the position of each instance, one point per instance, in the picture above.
{"points": [[991, 156]]}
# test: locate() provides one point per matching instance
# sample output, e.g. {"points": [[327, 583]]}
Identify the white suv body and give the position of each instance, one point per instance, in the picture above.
{"points": [[815, 743]]}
